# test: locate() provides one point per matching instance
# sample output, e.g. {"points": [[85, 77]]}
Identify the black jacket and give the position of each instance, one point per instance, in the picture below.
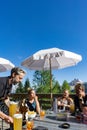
{"points": [[5, 88], [77, 102]]}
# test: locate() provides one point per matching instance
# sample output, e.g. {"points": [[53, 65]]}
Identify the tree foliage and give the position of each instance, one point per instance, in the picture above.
{"points": [[65, 85], [20, 88], [41, 83], [56, 88], [26, 85], [41, 78]]}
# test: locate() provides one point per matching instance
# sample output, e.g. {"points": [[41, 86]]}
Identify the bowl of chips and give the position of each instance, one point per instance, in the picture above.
{"points": [[62, 116], [30, 114]]}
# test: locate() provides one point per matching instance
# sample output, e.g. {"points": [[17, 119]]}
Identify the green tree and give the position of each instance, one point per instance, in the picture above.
{"points": [[41, 81], [65, 85], [41, 78], [43, 89], [20, 89], [26, 85], [56, 88]]}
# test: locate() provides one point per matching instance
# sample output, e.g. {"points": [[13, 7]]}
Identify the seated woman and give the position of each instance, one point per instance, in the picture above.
{"points": [[80, 97], [32, 101], [65, 101]]}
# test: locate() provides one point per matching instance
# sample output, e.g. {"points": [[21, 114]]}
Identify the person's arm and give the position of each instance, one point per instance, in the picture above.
{"points": [[37, 105], [59, 102], [70, 101], [83, 94], [5, 117]]}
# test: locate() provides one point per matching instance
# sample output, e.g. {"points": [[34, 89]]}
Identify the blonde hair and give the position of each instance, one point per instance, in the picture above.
{"points": [[30, 90]]}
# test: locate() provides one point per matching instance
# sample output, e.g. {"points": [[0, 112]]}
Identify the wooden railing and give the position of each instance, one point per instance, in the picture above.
{"points": [[44, 99]]}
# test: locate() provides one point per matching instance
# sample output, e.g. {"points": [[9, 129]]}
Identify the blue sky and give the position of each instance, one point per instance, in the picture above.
{"points": [[27, 26]]}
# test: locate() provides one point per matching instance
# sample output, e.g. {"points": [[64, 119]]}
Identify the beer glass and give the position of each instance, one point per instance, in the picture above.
{"points": [[17, 121], [30, 124], [72, 108], [85, 119], [42, 114], [13, 108]]}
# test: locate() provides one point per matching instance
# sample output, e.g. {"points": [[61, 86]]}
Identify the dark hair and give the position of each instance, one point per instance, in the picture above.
{"points": [[17, 71], [79, 86]]}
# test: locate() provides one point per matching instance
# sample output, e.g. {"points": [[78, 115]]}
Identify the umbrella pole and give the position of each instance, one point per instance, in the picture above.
{"points": [[50, 81]]}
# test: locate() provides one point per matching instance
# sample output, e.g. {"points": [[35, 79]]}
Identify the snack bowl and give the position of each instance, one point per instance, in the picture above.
{"points": [[30, 114], [61, 116]]}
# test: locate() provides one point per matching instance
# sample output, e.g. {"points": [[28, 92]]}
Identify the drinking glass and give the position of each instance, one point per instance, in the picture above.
{"points": [[30, 124], [42, 114], [72, 108], [85, 119], [17, 121], [13, 108]]}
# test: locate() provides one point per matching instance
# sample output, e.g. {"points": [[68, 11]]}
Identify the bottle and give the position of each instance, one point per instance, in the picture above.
{"points": [[55, 105], [78, 115], [85, 113]]}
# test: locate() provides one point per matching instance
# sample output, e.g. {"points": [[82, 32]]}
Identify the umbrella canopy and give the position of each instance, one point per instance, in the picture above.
{"points": [[49, 59], [5, 65]]}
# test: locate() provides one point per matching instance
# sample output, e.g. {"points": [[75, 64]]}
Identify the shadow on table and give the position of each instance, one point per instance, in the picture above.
{"points": [[51, 117], [70, 119], [40, 128]]}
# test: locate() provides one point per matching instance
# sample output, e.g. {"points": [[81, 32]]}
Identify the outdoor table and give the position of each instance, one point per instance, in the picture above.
{"points": [[52, 123]]}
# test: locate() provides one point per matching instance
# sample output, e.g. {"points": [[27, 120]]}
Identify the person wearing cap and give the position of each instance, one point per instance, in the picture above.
{"points": [[80, 97], [6, 84]]}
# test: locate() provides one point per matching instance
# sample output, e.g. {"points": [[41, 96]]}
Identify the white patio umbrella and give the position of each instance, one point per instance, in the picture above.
{"points": [[49, 59], [5, 65]]}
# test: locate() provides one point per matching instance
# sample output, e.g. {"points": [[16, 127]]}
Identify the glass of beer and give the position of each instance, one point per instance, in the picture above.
{"points": [[17, 121], [13, 108], [30, 124], [72, 108], [42, 114]]}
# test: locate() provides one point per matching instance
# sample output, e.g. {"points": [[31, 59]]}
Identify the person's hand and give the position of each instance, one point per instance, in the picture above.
{"points": [[5, 117], [81, 94], [36, 98], [7, 101], [8, 119]]}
